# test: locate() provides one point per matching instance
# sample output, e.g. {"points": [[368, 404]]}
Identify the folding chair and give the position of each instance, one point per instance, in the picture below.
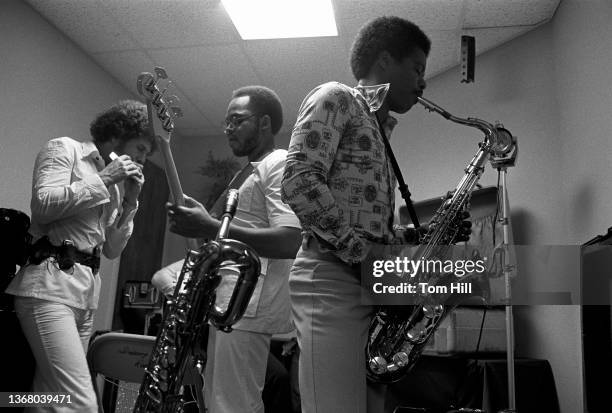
{"points": [[121, 359]]}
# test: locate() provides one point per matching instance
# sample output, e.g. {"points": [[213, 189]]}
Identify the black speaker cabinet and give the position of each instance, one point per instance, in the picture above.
{"points": [[596, 282]]}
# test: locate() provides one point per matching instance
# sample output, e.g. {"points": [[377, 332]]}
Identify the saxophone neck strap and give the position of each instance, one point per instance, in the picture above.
{"points": [[217, 209], [403, 188]]}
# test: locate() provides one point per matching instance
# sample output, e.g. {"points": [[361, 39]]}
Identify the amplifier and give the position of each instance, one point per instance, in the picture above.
{"points": [[459, 332]]}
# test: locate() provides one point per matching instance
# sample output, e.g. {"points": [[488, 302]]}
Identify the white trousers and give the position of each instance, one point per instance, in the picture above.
{"points": [[332, 327], [58, 336], [235, 371]]}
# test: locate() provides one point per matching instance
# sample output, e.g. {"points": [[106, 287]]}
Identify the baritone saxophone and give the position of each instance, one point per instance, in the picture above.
{"points": [[192, 306]]}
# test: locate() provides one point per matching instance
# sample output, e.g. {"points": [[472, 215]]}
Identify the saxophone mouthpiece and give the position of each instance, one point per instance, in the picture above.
{"points": [[432, 107], [231, 203]]}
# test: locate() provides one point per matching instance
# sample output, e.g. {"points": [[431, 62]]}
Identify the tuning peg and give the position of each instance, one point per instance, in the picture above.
{"points": [[177, 111], [172, 100], [157, 99], [145, 83], [161, 72]]}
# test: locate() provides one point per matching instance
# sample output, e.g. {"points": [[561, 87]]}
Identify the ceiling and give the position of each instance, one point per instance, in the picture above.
{"points": [[202, 52]]}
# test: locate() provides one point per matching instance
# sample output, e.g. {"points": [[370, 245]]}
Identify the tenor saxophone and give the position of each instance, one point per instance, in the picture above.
{"points": [[192, 306], [398, 334]]}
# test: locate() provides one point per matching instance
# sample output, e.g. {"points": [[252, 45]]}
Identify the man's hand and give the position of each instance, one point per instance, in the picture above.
{"points": [[414, 236], [133, 186], [191, 220], [465, 227], [119, 170]]}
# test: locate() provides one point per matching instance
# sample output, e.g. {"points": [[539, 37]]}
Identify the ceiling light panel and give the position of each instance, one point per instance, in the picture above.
{"points": [[279, 19]]}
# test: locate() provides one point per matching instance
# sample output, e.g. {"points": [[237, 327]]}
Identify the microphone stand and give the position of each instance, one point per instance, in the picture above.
{"points": [[502, 164]]}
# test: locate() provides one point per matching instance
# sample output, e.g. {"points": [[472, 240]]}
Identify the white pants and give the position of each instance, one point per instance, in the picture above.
{"points": [[58, 336], [332, 327], [235, 371]]}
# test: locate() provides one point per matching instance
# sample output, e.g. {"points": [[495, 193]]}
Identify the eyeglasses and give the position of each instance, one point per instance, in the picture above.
{"points": [[234, 121]]}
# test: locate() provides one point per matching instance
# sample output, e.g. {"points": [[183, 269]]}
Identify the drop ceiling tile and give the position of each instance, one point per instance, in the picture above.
{"points": [[427, 14], [489, 13], [489, 38], [126, 66], [164, 23], [445, 51], [293, 67], [87, 23], [300, 63], [207, 75]]}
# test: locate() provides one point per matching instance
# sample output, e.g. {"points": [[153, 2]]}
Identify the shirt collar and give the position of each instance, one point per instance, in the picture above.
{"points": [[255, 164], [90, 150], [374, 97]]}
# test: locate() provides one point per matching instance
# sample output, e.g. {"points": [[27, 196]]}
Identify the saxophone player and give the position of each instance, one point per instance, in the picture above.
{"points": [[236, 362], [340, 183]]}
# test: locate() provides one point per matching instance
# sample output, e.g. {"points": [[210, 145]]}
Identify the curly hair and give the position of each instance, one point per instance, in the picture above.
{"points": [[264, 102], [398, 36], [125, 120]]}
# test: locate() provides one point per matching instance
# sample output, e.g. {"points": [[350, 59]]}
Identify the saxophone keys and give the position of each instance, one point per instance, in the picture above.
{"points": [[163, 376], [428, 311], [416, 337], [181, 316], [153, 374], [431, 311], [411, 336], [401, 359], [171, 355], [378, 365], [154, 394]]}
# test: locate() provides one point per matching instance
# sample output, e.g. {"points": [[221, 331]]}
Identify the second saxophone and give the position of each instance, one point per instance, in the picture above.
{"points": [[191, 308]]}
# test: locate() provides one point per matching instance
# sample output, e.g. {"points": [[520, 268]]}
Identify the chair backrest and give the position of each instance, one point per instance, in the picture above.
{"points": [[120, 356], [124, 356]]}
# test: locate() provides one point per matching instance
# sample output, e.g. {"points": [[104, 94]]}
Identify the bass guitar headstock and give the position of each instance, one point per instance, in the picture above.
{"points": [[163, 109]]}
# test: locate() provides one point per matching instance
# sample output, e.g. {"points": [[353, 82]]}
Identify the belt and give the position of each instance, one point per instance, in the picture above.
{"points": [[66, 255], [310, 242]]}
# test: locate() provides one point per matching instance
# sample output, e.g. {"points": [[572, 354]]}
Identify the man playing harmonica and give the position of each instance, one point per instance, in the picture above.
{"points": [[77, 211]]}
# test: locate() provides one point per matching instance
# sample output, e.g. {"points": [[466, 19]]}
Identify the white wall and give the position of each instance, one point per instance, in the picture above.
{"points": [[49, 88], [582, 33], [551, 88]]}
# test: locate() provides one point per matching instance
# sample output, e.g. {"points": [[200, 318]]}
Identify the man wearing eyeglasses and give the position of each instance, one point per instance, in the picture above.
{"points": [[236, 362]]}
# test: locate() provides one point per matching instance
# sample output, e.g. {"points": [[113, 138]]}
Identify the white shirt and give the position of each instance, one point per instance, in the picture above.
{"points": [[259, 206], [70, 202]]}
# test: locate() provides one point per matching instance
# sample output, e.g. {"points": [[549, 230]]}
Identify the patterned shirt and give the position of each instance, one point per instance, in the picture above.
{"points": [[338, 179], [70, 202]]}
